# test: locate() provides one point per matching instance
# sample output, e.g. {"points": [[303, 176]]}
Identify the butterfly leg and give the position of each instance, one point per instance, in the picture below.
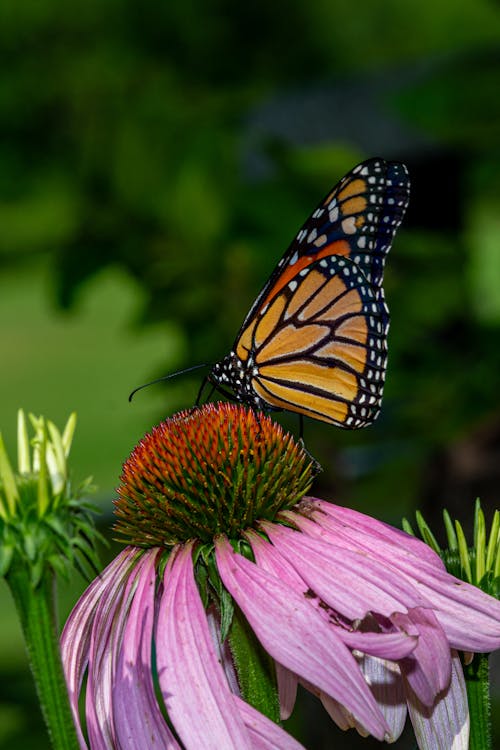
{"points": [[315, 464], [204, 382]]}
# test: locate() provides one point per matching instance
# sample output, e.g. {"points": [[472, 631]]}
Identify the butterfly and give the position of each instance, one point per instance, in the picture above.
{"points": [[315, 339]]}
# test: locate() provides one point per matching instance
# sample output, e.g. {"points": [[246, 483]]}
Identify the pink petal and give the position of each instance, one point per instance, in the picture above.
{"points": [[193, 684], [428, 668], [470, 618], [223, 651], [144, 726], [386, 685], [321, 525], [296, 635], [265, 734], [287, 690], [358, 526], [107, 629], [393, 645], [349, 581], [75, 638], [446, 726]]}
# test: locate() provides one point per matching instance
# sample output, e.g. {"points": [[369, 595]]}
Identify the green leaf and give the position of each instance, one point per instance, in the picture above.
{"points": [[23, 444], [493, 542], [10, 491], [68, 433], [406, 525], [464, 552], [426, 533], [30, 543], [450, 531], [6, 555]]}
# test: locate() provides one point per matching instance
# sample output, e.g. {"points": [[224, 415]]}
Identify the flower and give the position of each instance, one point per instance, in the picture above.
{"points": [[46, 528], [225, 550], [44, 524]]}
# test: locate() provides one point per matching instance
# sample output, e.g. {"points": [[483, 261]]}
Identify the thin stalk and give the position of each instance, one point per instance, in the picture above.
{"points": [[254, 667], [36, 609], [478, 694]]}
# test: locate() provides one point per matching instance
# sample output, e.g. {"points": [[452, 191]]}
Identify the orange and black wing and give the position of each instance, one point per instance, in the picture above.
{"points": [[315, 340], [319, 347], [356, 220]]}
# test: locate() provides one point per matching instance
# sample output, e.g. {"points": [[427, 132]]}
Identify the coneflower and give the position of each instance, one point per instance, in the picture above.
{"points": [[235, 587]]}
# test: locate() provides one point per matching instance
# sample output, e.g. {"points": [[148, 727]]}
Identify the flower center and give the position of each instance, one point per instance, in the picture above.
{"points": [[206, 471]]}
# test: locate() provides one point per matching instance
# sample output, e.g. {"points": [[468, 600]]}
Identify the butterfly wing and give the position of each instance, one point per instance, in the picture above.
{"points": [[357, 220], [315, 340], [319, 348]]}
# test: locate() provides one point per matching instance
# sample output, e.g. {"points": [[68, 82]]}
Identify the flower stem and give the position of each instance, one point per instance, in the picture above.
{"points": [[478, 693], [254, 667], [36, 610]]}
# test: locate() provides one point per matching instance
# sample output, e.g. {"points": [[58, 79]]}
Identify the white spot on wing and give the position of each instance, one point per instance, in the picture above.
{"points": [[349, 225], [321, 240]]}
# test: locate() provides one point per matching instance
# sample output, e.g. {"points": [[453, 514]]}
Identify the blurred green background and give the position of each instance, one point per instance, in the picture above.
{"points": [[156, 159]]}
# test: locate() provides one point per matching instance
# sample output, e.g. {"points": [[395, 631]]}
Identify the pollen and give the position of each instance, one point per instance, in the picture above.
{"points": [[217, 469]]}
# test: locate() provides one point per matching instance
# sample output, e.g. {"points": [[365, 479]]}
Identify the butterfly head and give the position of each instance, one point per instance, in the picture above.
{"points": [[233, 374]]}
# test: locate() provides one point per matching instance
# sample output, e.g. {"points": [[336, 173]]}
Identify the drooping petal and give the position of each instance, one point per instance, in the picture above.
{"points": [[428, 668], [349, 581], [343, 718], [75, 638], [394, 645], [107, 630], [297, 636], [365, 530], [193, 684], [264, 733], [470, 618], [373, 547], [446, 725], [337, 712], [143, 726], [223, 651], [287, 690], [384, 679]]}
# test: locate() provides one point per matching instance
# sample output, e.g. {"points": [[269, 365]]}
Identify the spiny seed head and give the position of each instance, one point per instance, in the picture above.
{"points": [[209, 470]]}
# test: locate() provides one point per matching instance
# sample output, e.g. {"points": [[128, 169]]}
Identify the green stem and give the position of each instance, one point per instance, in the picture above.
{"points": [[36, 609], [254, 667], [478, 694]]}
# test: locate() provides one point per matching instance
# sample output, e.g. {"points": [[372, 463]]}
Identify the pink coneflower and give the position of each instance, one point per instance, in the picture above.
{"points": [[235, 587]]}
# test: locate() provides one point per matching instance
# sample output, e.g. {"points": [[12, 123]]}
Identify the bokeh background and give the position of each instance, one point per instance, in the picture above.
{"points": [[156, 158]]}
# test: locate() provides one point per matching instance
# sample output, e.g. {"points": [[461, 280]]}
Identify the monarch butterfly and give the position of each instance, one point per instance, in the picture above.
{"points": [[315, 339]]}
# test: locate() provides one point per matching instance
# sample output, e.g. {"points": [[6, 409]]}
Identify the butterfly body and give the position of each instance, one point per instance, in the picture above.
{"points": [[315, 340]]}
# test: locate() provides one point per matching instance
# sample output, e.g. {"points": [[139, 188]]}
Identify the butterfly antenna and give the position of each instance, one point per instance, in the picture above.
{"points": [[167, 377]]}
